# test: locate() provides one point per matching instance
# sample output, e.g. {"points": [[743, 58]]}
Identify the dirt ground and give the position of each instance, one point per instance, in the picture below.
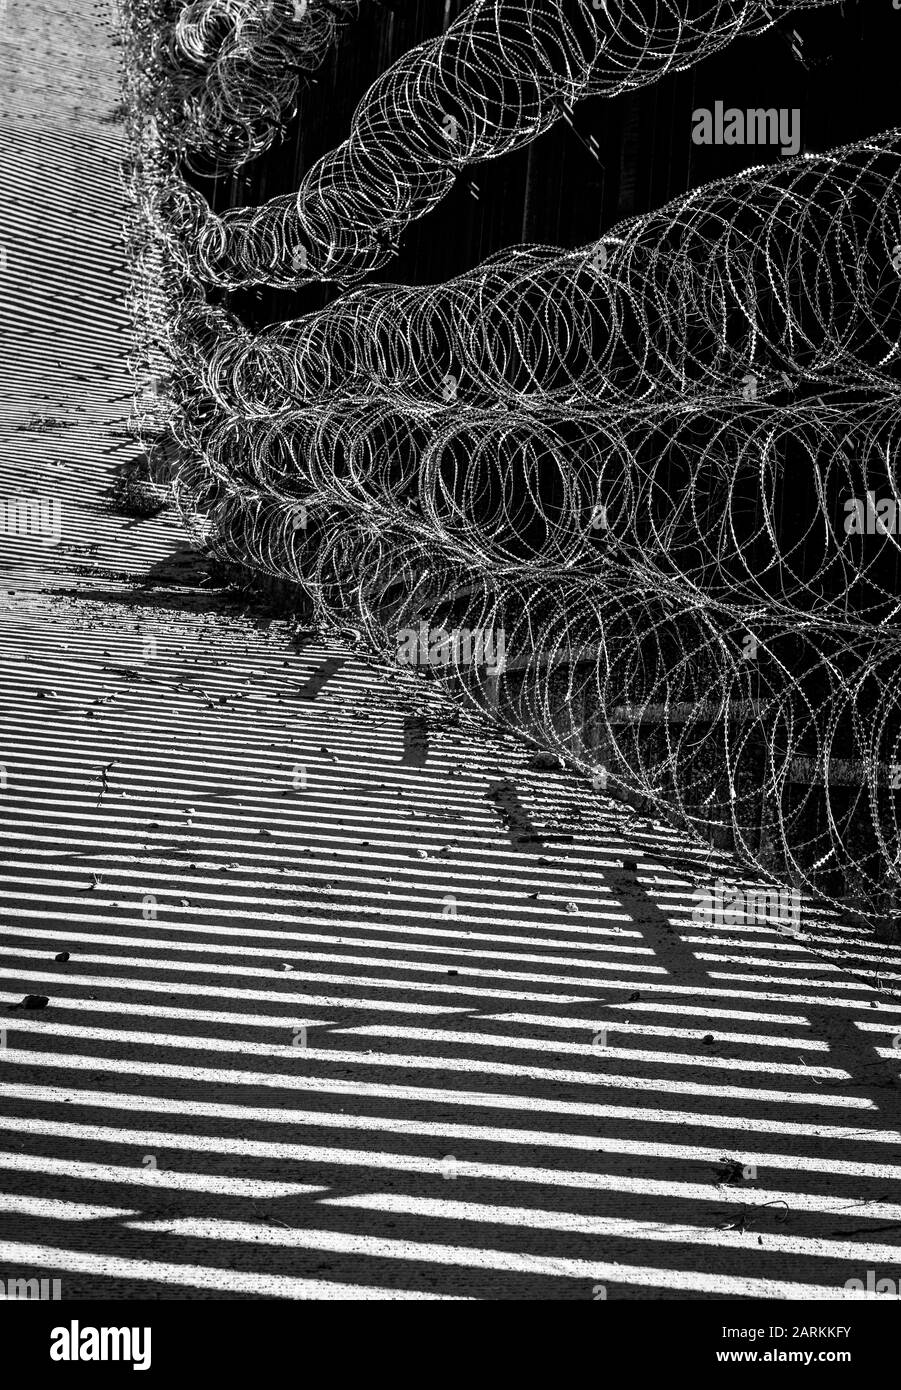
{"points": [[346, 996]]}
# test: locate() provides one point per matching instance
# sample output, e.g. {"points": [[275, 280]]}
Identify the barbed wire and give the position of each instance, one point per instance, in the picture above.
{"points": [[232, 70], [781, 279], [729, 726], [638, 500], [502, 74]]}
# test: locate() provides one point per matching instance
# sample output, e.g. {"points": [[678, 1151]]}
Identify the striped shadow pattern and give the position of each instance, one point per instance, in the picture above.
{"points": [[324, 1023]]}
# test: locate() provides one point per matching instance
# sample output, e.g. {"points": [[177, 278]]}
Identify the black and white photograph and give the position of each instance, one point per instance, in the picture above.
{"points": [[450, 673]]}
